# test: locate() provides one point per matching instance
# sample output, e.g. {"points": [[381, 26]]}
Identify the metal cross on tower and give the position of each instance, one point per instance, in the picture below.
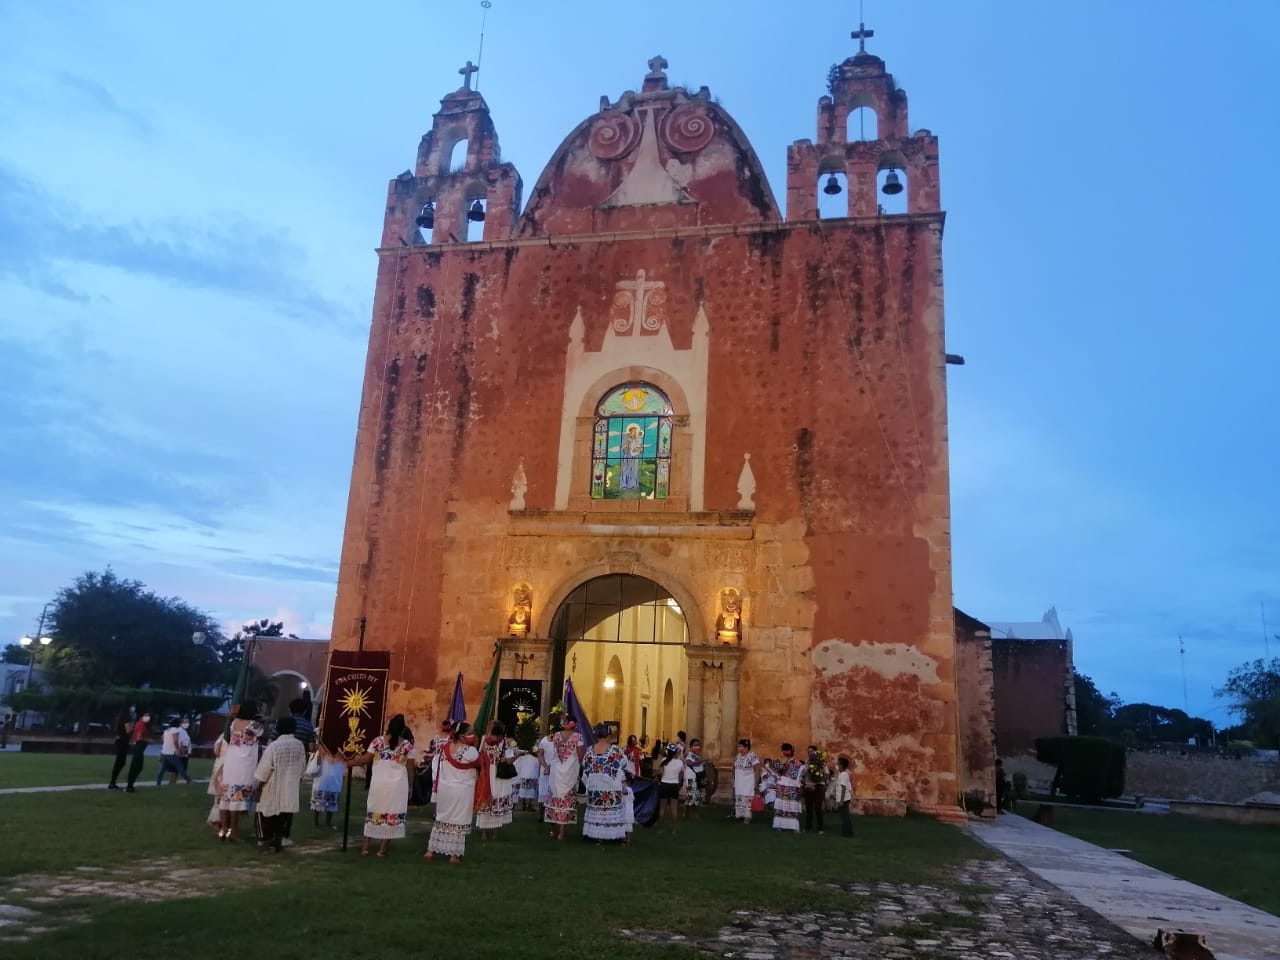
{"points": [[861, 35], [466, 72]]}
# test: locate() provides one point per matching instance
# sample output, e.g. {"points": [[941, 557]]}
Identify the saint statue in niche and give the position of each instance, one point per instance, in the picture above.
{"points": [[729, 623], [521, 611]]}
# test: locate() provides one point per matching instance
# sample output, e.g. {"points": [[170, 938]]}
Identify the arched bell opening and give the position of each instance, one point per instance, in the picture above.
{"points": [[833, 188], [891, 184], [862, 124]]}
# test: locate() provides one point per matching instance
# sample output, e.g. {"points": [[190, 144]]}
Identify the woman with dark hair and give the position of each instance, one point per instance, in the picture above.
{"points": [[787, 804], [697, 766], [124, 734], [603, 766], [237, 786], [746, 770], [564, 766], [387, 804], [455, 791], [674, 782], [493, 798]]}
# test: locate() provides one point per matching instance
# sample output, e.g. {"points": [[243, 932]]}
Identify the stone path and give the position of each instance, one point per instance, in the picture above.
{"points": [[994, 910], [1132, 895], [33, 904]]}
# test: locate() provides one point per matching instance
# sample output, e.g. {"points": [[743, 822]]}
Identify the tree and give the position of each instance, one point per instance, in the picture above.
{"points": [[231, 653], [15, 653], [1150, 723], [1094, 712], [1253, 690], [112, 632], [833, 74]]}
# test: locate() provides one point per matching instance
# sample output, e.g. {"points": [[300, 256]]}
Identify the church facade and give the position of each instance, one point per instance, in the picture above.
{"points": [[661, 437]]}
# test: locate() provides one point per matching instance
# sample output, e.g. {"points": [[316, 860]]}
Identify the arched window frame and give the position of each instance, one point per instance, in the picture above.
{"points": [[631, 409]]}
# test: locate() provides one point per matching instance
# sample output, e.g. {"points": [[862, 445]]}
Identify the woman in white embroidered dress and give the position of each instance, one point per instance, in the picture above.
{"points": [[564, 768], [236, 785], [746, 769], [603, 767], [387, 806], [787, 804], [455, 792], [493, 807]]}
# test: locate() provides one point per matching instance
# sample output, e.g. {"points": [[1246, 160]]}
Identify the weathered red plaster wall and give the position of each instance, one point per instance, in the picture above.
{"points": [[976, 706], [1027, 676]]}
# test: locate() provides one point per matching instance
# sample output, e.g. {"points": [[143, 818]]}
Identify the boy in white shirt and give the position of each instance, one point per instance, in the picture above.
{"points": [[844, 795]]}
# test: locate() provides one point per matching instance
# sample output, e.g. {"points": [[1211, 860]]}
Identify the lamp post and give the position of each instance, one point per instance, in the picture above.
{"points": [[32, 644]]}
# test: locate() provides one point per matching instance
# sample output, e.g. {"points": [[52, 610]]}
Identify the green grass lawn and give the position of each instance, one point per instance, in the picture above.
{"points": [[522, 893], [1234, 859], [63, 769]]}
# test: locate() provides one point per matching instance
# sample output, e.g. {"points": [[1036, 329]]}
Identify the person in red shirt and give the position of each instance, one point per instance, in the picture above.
{"points": [[141, 734]]}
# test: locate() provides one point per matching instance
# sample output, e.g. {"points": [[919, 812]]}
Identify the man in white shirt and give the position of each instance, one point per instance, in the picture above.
{"points": [[170, 762], [279, 771]]}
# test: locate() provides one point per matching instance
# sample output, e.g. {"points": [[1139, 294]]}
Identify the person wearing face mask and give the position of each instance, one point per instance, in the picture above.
{"points": [[746, 771], [170, 761], [184, 746], [787, 804], [455, 792]]}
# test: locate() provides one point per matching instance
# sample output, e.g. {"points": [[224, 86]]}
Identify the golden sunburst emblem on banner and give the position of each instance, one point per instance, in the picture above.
{"points": [[356, 701]]}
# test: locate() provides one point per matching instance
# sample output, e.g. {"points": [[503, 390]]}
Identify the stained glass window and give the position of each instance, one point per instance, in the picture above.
{"points": [[631, 445]]}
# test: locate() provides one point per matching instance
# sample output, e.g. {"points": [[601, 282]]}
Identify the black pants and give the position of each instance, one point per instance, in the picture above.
{"points": [[272, 830], [846, 820], [122, 756], [135, 766], [813, 808]]}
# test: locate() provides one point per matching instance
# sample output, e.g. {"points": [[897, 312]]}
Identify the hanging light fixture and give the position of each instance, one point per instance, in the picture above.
{"points": [[892, 185], [426, 216], [832, 187], [476, 213]]}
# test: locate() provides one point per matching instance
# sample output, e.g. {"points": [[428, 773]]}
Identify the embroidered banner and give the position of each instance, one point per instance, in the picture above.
{"points": [[355, 700]]}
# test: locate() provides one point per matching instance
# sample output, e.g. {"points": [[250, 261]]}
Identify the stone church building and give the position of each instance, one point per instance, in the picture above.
{"points": [[665, 437]]}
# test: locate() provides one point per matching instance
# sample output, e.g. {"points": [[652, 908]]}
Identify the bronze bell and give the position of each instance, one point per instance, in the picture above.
{"points": [[832, 187], [426, 216], [892, 185], [476, 213]]}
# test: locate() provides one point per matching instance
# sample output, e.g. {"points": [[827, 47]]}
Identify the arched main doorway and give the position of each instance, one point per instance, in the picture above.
{"points": [[621, 639]]}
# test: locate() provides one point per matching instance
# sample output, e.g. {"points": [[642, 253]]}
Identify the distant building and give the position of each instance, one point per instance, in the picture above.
{"points": [[294, 665], [1033, 671]]}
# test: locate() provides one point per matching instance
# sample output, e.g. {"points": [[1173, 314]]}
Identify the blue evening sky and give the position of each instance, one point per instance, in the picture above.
{"points": [[190, 196]]}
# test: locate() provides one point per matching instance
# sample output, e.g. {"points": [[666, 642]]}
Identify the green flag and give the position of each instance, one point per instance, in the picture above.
{"points": [[489, 702]]}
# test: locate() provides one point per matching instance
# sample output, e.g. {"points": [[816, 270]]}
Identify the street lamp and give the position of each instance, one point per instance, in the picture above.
{"points": [[32, 642]]}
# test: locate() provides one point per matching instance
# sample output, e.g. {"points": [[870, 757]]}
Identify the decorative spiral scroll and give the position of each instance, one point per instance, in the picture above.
{"points": [[655, 301], [688, 128], [622, 319], [614, 136]]}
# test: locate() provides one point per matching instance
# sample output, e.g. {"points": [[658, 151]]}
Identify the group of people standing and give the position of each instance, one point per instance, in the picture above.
{"points": [[793, 786], [475, 783]]}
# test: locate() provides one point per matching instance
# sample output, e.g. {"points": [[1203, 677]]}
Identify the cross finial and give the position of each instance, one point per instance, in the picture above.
{"points": [[861, 35], [658, 68], [466, 72]]}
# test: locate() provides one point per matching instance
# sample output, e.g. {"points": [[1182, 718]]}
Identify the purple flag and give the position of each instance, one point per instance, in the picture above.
{"points": [[575, 712], [457, 707]]}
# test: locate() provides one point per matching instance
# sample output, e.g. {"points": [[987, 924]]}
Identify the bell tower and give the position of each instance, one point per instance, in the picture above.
{"points": [[888, 164], [460, 188]]}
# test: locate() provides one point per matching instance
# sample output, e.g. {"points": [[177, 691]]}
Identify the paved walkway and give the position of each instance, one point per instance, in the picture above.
{"points": [[91, 786], [1133, 896]]}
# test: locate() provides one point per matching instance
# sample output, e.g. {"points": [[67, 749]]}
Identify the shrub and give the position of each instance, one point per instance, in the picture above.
{"points": [[1089, 768]]}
